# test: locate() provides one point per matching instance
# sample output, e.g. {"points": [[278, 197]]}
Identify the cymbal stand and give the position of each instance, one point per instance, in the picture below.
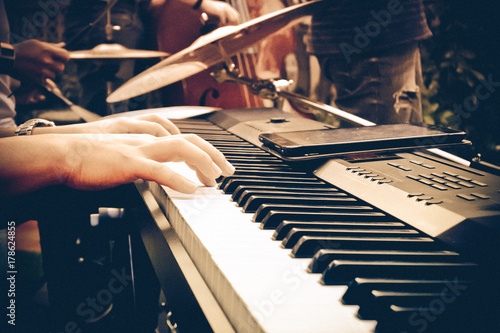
{"points": [[276, 88], [109, 77]]}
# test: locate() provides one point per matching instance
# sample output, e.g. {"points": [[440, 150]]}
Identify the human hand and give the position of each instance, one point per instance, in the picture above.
{"points": [[151, 124], [30, 93], [36, 60], [110, 160], [226, 13], [94, 162]]}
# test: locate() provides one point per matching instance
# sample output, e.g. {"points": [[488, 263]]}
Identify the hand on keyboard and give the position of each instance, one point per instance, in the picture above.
{"points": [[93, 162]]}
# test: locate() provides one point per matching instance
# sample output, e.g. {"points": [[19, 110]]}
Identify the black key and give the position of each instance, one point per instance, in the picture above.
{"points": [[242, 151], [276, 215], [255, 201], [211, 130], [308, 245], [247, 190], [343, 271], [323, 258], [242, 145], [295, 234], [260, 160], [260, 166], [235, 179], [397, 319], [265, 209], [285, 192], [234, 183], [219, 137], [285, 226], [360, 288], [279, 173], [378, 302]]}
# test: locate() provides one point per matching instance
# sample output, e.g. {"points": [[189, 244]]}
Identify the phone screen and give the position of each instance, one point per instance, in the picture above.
{"points": [[358, 139]]}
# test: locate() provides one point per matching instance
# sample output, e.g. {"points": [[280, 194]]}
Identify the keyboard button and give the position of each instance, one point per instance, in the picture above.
{"points": [[466, 197], [475, 182], [480, 196], [439, 187], [434, 202], [453, 186]]}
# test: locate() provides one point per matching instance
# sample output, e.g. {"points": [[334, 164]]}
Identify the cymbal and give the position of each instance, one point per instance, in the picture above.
{"points": [[213, 48], [115, 51]]}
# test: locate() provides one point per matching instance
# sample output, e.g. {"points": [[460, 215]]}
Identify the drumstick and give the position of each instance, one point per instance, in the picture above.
{"points": [[85, 114]]}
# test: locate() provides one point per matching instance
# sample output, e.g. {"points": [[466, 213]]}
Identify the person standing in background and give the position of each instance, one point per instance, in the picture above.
{"points": [[369, 52]]}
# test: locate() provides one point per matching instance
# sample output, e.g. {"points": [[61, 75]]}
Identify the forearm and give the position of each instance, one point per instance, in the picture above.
{"points": [[7, 131], [66, 129], [27, 165]]}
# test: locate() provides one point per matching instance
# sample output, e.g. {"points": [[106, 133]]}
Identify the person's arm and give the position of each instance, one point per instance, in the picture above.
{"points": [[91, 162], [7, 131], [151, 124]]}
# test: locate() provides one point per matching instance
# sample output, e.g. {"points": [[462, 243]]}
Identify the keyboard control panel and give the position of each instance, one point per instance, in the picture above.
{"points": [[454, 203]]}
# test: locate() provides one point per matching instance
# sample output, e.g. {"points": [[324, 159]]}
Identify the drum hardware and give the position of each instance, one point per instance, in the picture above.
{"points": [[114, 51], [212, 49], [90, 26], [110, 51]]}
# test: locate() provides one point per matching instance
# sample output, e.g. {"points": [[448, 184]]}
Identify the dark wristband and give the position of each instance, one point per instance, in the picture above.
{"points": [[7, 56], [197, 4]]}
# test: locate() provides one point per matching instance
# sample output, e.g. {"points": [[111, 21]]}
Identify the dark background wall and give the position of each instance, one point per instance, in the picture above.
{"points": [[461, 66]]}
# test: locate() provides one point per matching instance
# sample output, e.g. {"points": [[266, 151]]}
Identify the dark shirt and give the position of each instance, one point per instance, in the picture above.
{"points": [[355, 26]]}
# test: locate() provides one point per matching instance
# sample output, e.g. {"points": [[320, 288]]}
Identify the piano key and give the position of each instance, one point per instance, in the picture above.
{"points": [[261, 160], [255, 201], [377, 304], [232, 145], [234, 183], [323, 258], [219, 137], [284, 227], [247, 166], [276, 215], [360, 288], [265, 209], [247, 194], [232, 155], [343, 271], [224, 185], [244, 190], [295, 234], [246, 150], [257, 173], [258, 285], [249, 158], [207, 131], [307, 246], [415, 319]]}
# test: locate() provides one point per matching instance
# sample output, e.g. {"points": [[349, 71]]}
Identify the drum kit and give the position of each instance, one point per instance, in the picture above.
{"points": [[213, 49]]}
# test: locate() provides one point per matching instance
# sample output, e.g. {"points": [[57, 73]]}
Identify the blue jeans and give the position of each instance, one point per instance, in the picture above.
{"points": [[382, 86]]}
